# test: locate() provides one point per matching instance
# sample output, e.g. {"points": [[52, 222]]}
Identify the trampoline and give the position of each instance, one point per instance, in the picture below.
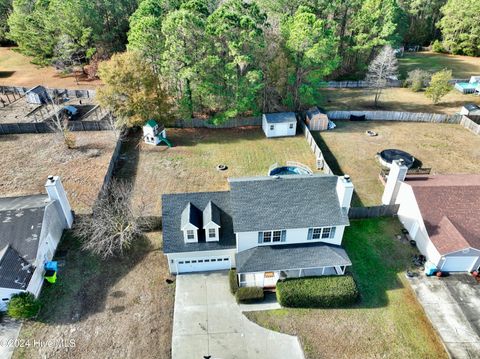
{"points": [[388, 156]]}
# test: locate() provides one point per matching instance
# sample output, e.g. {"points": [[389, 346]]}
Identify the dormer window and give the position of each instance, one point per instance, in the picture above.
{"points": [[211, 222], [191, 222]]}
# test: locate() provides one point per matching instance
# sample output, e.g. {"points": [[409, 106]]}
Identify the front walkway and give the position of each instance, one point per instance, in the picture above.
{"points": [[208, 321], [453, 306]]}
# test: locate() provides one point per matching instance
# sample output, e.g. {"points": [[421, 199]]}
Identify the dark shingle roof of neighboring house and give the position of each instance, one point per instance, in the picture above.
{"points": [[292, 256], [280, 117], [211, 213], [282, 202], [172, 207], [450, 208], [191, 215], [15, 272], [21, 221]]}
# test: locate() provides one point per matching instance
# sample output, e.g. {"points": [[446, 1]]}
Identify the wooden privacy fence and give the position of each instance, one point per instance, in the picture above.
{"points": [[43, 127], [234, 122], [358, 84], [373, 212], [470, 125], [396, 116], [320, 159]]}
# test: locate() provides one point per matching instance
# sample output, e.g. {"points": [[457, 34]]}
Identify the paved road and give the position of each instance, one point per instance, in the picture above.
{"points": [[453, 306], [208, 321]]}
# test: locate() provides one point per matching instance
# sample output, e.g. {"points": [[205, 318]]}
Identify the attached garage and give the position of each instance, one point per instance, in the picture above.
{"points": [[459, 264], [202, 264]]}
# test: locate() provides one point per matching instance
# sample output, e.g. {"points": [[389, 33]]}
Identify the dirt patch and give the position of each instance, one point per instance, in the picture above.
{"points": [[28, 159], [17, 70], [446, 148], [121, 308]]}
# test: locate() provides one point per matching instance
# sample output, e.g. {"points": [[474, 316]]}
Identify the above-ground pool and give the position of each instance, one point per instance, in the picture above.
{"points": [[467, 87], [289, 170], [388, 156]]}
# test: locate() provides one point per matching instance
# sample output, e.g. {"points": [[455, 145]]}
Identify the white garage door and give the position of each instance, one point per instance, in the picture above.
{"points": [[458, 264], [203, 264]]}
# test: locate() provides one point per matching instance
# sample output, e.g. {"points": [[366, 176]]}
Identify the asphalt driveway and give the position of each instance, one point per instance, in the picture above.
{"points": [[453, 306], [208, 321]]}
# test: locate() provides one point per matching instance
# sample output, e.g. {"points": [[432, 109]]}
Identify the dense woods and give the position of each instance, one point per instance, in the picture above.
{"points": [[238, 57]]}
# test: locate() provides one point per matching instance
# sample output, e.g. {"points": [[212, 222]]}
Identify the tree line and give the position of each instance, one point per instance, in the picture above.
{"points": [[225, 58]]}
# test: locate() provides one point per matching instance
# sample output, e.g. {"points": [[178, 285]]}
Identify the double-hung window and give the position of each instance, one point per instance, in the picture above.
{"points": [[212, 233], [190, 235], [321, 233], [272, 236], [277, 236], [267, 237], [317, 232], [326, 232]]}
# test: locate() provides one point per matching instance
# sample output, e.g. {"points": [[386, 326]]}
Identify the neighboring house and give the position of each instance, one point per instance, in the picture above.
{"points": [[30, 229], [279, 124], [267, 227], [441, 213]]}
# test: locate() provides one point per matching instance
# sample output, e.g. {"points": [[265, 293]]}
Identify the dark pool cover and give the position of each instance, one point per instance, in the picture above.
{"points": [[394, 154]]}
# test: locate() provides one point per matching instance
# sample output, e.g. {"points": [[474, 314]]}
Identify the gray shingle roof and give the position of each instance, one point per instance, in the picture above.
{"points": [[291, 256], [282, 202], [15, 272], [191, 215], [211, 213], [172, 207], [280, 117]]}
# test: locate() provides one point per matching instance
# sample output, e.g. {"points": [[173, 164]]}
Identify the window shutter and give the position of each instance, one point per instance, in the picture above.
{"points": [[310, 234], [284, 236], [332, 232], [260, 237]]}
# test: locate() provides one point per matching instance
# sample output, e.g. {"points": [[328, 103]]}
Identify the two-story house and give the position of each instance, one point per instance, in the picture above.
{"points": [[267, 228]]}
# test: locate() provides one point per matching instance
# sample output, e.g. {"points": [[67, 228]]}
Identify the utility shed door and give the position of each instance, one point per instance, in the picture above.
{"points": [[458, 264]]}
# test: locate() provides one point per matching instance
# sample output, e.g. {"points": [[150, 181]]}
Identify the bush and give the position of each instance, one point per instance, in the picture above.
{"points": [[23, 306], [232, 278], [417, 78], [249, 294], [437, 46], [317, 292]]}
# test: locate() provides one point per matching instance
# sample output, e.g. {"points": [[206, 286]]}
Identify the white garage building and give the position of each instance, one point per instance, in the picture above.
{"points": [[441, 213], [279, 124]]}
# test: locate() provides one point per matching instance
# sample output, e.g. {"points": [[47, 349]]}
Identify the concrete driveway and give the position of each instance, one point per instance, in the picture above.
{"points": [[453, 306], [208, 321]]}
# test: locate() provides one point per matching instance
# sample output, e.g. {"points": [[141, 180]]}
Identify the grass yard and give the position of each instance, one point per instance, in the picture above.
{"points": [[17, 70], [446, 148], [394, 99], [28, 159], [387, 323], [190, 166], [120, 308], [462, 66]]}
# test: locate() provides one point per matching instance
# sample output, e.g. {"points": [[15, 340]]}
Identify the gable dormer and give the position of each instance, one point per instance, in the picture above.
{"points": [[191, 222], [211, 222]]}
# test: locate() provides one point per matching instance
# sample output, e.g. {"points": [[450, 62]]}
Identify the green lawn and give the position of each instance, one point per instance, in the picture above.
{"points": [[387, 323], [461, 66]]}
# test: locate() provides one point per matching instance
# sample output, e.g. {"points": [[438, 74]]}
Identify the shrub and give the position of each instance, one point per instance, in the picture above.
{"points": [[439, 85], [417, 78], [232, 278], [23, 306], [437, 46], [249, 294], [317, 292]]}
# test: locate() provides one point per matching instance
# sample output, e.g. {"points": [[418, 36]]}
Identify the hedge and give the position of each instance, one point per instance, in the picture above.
{"points": [[317, 292], [249, 294], [23, 306], [232, 278]]}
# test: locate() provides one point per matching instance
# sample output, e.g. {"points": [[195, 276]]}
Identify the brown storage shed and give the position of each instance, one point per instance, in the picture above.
{"points": [[316, 119]]}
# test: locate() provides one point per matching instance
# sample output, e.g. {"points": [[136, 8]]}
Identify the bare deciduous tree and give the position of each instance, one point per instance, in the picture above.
{"points": [[383, 67], [59, 124], [115, 222]]}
